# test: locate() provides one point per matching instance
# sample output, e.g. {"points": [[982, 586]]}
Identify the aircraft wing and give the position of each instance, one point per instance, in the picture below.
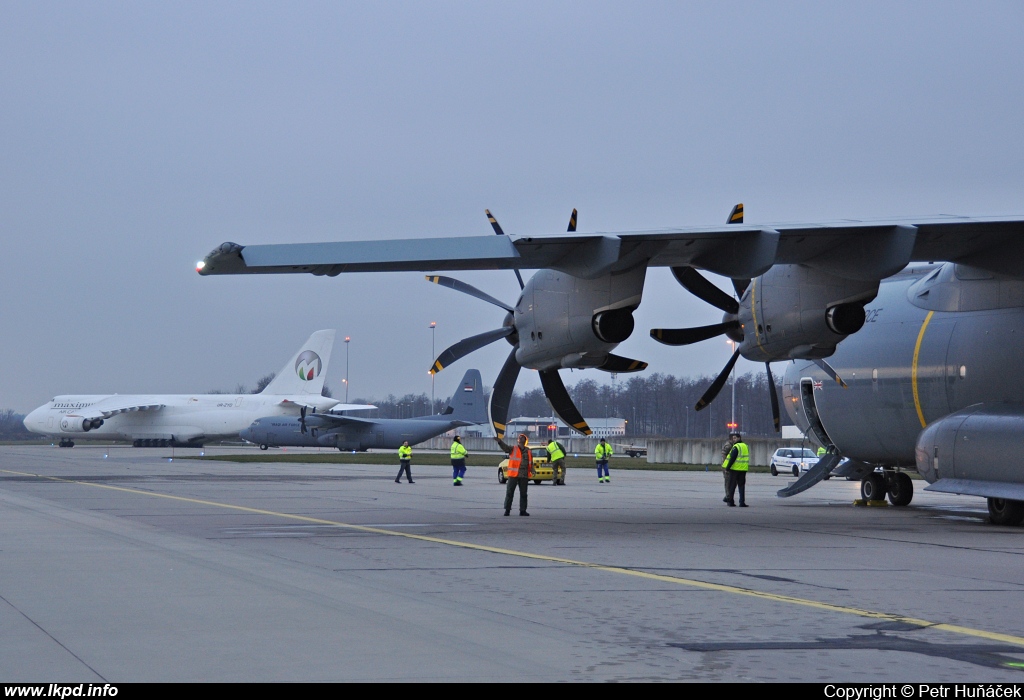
{"points": [[331, 420], [856, 249], [114, 405], [324, 405]]}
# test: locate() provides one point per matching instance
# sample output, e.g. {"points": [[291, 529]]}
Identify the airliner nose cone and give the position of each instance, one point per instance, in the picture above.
{"points": [[33, 421]]}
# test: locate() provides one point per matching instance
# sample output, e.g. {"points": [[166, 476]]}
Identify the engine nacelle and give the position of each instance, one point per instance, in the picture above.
{"points": [[798, 312], [77, 424], [567, 321], [981, 442]]}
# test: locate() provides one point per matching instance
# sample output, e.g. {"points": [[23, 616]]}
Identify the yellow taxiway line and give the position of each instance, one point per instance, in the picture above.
{"points": [[662, 578]]}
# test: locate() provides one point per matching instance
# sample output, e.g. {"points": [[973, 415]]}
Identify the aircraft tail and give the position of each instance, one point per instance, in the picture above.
{"points": [[306, 371], [468, 402]]}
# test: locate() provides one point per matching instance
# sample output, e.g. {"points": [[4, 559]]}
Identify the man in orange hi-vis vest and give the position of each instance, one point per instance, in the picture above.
{"points": [[519, 471]]}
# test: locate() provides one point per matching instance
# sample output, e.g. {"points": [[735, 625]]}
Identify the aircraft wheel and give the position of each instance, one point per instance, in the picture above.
{"points": [[796, 470], [501, 476], [538, 482], [775, 472], [1002, 511], [71, 443], [901, 489], [264, 447], [872, 487]]}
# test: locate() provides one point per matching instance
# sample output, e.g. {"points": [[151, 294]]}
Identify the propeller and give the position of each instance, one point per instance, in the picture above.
{"points": [[703, 289], [504, 385], [302, 419]]}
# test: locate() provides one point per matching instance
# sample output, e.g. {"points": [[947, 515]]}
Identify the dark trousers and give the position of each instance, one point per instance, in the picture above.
{"points": [[510, 489], [403, 466], [458, 468], [559, 467], [602, 464], [737, 479]]}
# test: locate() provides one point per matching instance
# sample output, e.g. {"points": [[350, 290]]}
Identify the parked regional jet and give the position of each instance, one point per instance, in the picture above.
{"points": [[186, 420], [347, 433]]}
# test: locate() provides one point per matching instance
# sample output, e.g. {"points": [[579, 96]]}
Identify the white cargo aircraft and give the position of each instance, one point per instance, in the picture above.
{"points": [[186, 420]]}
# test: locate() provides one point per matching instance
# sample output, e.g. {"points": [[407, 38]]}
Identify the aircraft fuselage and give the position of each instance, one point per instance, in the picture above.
{"points": [[911, 365]]}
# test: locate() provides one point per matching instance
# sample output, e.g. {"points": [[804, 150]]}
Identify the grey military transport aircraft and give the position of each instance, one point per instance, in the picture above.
{"points": [[802, 290], [349, 433]]}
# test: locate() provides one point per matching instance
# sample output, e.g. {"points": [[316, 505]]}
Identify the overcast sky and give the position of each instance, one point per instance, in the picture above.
{"points": [[135, 137]]}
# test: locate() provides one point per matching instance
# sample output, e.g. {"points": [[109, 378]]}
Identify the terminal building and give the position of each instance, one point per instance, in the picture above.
{"points": [[548, 427]]}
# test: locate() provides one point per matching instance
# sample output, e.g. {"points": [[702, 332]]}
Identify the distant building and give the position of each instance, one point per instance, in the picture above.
{"points": [[547, 426]]}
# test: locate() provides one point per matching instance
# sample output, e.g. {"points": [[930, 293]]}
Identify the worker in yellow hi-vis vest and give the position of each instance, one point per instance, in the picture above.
{"points": [[601, 453], [404, 460], [736, 465]]}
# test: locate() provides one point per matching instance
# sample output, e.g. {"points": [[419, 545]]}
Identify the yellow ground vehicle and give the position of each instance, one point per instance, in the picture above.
{"points": [[542, 471]]}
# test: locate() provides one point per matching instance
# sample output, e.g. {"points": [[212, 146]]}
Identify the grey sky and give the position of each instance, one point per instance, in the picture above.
{"points": [[137, 136]]}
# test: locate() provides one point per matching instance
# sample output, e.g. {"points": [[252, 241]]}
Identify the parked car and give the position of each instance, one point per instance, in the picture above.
{"points": [[635, 451], [792, 460]]}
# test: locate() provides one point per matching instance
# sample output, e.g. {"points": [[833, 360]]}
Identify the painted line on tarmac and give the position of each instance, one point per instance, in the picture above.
{"points": [[691, 583]]}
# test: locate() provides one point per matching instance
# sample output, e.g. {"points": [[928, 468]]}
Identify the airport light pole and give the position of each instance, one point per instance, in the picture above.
{"points": [[347, 339], [433, 327]]}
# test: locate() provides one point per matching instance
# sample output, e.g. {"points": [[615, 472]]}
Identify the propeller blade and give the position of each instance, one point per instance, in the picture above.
{"points": [[827, 369], [736, 215], [617, 364], [687, 336], [501, 395], [774, 396], [561, 403], [740, 286], [468, 345], [698, 286], [302, 420], [497, 229], [494, 222], [469, 289], [716, 386], [572, 223]]}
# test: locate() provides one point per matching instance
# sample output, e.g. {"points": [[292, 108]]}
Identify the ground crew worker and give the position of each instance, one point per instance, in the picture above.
{"points": [[736, 465], [601, 454], [821, 452], [404, 460], [458, 461], [726, 448], [519, 474], [556, 456]]}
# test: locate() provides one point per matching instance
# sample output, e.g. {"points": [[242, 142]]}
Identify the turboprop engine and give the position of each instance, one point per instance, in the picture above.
{"points": [[797, 312]]}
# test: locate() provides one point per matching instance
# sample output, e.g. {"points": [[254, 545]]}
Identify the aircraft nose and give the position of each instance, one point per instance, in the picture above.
{"points": [[34, 421]]}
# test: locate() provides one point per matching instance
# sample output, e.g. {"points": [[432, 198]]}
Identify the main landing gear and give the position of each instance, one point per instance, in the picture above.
{"points": [[66, 443], [898, 487], [1002, 511]]}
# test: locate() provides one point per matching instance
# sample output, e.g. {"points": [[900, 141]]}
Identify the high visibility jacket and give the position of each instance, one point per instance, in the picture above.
{"points": [[602, 452], [458, 451], [555, 452], [404, 452], [515, 461], [821, 451], [742, 462]]}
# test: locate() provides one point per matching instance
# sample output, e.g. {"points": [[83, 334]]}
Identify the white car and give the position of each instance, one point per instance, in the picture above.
{"points": [[792, 460]]}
